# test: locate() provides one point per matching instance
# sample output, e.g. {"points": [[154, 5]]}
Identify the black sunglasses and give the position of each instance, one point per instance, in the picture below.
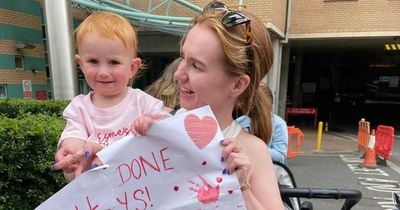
{"points": [[233, 18]]}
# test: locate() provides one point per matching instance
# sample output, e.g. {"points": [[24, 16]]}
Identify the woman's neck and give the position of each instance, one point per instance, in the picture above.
{"points": [[224, 118]]}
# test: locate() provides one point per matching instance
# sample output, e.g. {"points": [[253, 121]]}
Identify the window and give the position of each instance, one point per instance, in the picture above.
{"points": [[19, 62], [3, 91]]}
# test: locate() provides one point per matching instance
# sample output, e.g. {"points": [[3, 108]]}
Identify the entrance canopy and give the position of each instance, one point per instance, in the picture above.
{"points": [[175, 25]]}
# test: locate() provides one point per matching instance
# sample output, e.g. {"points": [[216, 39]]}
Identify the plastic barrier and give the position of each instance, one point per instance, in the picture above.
{"points": [[363, 135], [296, 137], [384, 141]]}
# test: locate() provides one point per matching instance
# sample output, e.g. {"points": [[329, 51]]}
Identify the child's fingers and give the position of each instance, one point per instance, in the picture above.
{"points": [[91, 149], [65, 162], [142, 124], [96, 162]]}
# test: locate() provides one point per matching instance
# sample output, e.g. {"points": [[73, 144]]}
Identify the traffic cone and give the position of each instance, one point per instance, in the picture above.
{"points": [[370, 156]]}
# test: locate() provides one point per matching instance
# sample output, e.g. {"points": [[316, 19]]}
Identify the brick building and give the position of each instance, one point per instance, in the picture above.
{"points": [[21, 48], [327, 52]]}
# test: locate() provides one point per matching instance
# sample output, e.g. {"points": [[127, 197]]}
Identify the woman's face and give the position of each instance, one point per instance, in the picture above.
{"points": [[201, 75]]}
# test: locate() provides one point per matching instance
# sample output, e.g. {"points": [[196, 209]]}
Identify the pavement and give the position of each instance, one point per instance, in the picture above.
{"points": [[342, 142], [338, 165], [331, 142]]}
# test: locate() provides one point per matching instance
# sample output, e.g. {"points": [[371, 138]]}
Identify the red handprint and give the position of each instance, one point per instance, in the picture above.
{"points": [[206, 193]]}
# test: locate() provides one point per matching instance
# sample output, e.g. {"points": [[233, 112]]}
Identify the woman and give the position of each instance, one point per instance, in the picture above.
{"points": [[225, 55]]}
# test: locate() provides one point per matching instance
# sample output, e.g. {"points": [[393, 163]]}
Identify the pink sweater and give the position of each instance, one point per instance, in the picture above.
{"points": [[106, 125]]}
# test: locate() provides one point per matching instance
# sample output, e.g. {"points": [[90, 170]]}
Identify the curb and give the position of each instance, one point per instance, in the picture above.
{"points": [[318, 152]]}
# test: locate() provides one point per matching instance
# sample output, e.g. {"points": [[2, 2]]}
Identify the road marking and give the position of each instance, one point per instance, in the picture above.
{"points": [[356, 168], [380, 185], [354, 163], [393, 166]]}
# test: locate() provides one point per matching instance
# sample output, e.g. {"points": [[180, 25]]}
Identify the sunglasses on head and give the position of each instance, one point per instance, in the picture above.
{"points": [[233, 18]]}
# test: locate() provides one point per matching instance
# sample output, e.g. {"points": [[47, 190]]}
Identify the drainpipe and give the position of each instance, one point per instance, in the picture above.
{"points": [[282, 83], [288, 19]]}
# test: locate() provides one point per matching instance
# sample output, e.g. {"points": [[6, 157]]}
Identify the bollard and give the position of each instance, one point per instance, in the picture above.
{"points": [[326, 127], [319, 136]]}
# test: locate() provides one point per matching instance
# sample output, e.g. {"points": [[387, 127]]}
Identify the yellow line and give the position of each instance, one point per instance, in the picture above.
{"points": [[387, 47]]}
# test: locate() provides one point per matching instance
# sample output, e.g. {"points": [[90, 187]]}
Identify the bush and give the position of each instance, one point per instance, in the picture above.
{"points": [[27, 147], [12, 108]]}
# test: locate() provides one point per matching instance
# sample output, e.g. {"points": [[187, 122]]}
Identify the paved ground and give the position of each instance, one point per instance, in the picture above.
{"points": [[331, 142], [345, 172], [337, 164], [343, 142]]}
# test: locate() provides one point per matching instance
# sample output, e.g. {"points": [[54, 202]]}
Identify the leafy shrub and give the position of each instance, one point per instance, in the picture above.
{"points": [[27, 147], [12, 108]]}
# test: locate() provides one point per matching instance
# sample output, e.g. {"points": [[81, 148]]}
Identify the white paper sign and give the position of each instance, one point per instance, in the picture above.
{"points": [[177, 166]]}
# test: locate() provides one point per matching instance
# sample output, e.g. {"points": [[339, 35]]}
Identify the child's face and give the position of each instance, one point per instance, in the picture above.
{"points": [[107, 65]]}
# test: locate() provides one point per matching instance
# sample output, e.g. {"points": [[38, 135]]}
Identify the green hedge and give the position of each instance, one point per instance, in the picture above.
{"points": [[27, 147], [12, 108]]}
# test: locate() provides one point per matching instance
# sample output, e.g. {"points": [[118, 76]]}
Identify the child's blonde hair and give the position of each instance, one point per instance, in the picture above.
{"points": [[109, 25]]}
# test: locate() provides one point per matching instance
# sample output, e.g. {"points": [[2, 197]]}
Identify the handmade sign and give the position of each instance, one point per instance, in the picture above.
{"points": [[176, 166]]}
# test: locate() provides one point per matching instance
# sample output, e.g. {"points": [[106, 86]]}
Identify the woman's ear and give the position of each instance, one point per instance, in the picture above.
{"points": [[241, 83], [136, 62]]}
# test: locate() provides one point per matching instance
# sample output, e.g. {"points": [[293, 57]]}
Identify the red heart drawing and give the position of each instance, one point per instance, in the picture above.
{"points": [[201, 131]]}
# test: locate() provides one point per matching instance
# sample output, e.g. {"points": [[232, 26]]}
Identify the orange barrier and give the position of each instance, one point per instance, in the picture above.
{"points": [[363, 135], [384, 141], [296, 137]]}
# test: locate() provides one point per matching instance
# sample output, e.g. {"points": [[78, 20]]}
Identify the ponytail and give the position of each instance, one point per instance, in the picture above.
{"points": [[260, 115]]}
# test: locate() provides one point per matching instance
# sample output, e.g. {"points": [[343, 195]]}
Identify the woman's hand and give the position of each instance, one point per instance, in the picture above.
{"points": [[141, 125], [236, 160], [75, 156]]}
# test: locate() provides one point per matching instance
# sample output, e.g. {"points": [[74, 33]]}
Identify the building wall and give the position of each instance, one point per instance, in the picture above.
{"points": [[20, 20], [322, 18], [272, 12]]}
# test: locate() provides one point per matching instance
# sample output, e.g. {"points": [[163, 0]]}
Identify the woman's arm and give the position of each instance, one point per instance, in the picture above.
{"points": [[264, 191], [249, 157]]}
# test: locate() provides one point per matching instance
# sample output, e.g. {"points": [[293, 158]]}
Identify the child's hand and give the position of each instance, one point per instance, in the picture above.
{"points": [[75, 156], [68, 154], [141, 125]]}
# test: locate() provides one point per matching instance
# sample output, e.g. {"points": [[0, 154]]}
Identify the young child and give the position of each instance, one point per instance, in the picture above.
{"points": [[106, 45]]}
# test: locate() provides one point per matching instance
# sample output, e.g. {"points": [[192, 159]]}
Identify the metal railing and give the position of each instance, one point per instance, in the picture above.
{"points": [[175, 25]]}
